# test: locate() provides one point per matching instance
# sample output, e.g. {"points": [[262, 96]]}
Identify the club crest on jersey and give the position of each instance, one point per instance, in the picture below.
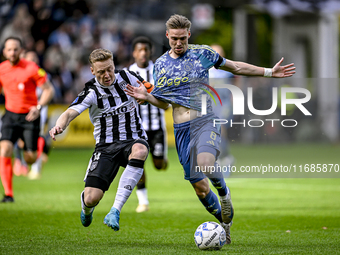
{"points": [[122, 84], [188, 66], [94, 165]]}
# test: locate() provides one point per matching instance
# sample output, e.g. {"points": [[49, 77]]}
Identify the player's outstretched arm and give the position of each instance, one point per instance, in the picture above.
{"points": [[242, 68], [62, 122], [141, 95]]}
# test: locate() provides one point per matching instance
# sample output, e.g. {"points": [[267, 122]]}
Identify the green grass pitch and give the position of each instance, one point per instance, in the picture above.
{"points": [[272, 215]]}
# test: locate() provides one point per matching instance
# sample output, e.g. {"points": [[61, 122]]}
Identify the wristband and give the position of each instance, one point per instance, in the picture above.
{"points": [[268, 72]]}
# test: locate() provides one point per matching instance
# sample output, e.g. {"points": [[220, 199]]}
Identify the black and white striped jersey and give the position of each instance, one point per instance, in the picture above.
{"points": [[113, 113], [152, 116]]}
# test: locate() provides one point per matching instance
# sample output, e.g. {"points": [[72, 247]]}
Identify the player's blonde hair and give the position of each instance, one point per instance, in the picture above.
{"points": [[177, 21], [100, 55]]}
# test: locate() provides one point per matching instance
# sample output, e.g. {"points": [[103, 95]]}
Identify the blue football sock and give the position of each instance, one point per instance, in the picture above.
{"points": [[220, 185], [212, 205]]}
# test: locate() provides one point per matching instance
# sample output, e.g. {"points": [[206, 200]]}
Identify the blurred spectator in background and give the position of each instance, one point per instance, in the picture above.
{"points": [[19, 26], [63, 33]]}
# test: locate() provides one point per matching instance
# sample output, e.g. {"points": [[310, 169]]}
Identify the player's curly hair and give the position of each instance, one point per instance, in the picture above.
{"points": [[100, 55], [141, 39], [177, 21]]}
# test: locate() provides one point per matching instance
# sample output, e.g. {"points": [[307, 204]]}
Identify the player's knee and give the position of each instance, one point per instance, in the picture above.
{"points": [[91, 200], [139, 151], [6, 148], [30, 157], [201, 188], [201, 193]]}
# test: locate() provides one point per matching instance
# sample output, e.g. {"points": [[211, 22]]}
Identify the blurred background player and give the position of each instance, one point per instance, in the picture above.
{"points": [[19, 79], [152, 116], [224, 111], [20, 166]]}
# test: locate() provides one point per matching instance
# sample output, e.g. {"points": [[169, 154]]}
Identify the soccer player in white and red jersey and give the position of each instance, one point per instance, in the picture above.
{"points": [[181, 76], [19, 79]]}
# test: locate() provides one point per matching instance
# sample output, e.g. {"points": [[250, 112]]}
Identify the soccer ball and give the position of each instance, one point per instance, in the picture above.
{"points": [[210, 236]]}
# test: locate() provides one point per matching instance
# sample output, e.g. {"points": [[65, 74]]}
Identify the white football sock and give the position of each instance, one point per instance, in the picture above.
{"points": [[142, 195], [86, 210], [37, 165], [127, 183]]}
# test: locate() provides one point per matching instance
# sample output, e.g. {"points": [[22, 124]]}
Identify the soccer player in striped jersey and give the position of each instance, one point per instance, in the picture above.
{"points": [[181, 76], [152, 116], [118, 132]]}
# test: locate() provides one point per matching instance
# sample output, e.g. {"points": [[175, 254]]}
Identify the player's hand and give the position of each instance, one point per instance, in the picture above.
{"points": [[55, 131], [33, 114], [283, 71], [139, 93]]}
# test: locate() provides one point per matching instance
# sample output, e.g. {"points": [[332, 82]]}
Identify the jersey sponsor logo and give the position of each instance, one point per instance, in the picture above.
{"points": [[41, 72], [122, 109], [105, 96], [163, 81]]}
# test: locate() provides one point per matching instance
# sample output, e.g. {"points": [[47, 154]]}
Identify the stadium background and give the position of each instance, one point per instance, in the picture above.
{"points": [[64, 32]]}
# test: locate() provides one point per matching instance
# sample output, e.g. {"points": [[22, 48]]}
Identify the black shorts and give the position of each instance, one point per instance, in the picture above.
{"points": [[14, 126], [157, 142], [105, 162]]}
